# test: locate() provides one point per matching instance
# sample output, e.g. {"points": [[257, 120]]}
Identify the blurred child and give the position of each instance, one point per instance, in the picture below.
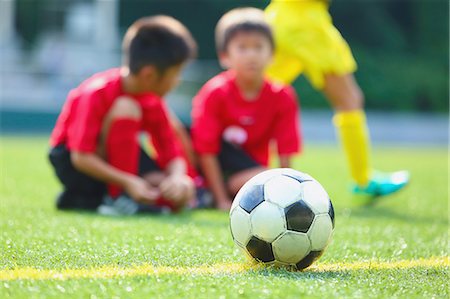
{"points": [[238, 113], [306, 41], [95, 150]]}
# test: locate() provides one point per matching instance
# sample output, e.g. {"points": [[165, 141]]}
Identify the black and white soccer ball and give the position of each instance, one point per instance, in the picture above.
{"points": [[282, 217]]}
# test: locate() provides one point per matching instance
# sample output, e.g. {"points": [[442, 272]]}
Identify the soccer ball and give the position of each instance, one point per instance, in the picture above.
{"points": [[282, 217]]}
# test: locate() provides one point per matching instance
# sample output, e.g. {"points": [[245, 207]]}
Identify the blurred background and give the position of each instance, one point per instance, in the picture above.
{"points": [[48, 47]]}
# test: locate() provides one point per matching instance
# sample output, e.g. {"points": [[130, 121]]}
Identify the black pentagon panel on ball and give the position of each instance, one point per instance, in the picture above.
{"points": [[252, 197], [260, 250], [296, 177], [299, 216], [331, 213], [308, 260]]}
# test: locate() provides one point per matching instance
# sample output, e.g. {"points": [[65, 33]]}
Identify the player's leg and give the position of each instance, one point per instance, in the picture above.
{"points": [[119, 138], [237, 180], [124, 205], [237, 166], [119, 146], [343, 92], [329, 64], [346, 97], [79, 190]]}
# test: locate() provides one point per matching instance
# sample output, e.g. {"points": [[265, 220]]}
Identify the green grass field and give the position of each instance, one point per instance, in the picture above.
{"points": [[396, 247]]}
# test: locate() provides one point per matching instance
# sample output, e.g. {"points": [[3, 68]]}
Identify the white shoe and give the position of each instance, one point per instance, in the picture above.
{"points": [[123, 205]]}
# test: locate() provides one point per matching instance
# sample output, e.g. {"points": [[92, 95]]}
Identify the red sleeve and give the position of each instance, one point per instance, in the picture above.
{"points": [[206, 122], [87, 121], [287, 126], [156, 123], [59, 132]]}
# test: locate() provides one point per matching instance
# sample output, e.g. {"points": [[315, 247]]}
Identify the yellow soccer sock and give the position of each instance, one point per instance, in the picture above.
{"points": [[353, 133]]}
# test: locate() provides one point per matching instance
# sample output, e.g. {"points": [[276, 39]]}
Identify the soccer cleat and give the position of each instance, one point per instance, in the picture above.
{"points": [[203, 199], [383, 184], [124, 205], [70, 201]]}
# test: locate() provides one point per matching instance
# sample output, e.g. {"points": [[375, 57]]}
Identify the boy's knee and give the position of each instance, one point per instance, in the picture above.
{"points": [[236, 181], [126, 107]]}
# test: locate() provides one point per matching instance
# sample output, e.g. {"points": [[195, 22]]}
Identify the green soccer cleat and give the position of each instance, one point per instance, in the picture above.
{"points": [[383, 184]]}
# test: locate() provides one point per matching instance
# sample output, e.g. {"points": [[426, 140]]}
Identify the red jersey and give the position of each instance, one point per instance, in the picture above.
{"points": [[220, 112], [81, 119]]}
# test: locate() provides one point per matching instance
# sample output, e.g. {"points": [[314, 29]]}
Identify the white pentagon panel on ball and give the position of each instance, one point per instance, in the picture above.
{"points": [[291, 247], [320, 232], [240, 226], [267, 221], [315, 196], [282, 190]]}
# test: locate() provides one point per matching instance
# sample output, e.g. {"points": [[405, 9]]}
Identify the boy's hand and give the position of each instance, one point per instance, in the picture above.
{"points": [[179, 188], [140, 190]]}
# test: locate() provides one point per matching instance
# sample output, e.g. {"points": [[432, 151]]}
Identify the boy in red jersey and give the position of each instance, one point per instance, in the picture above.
{"points": [[237, 114], [95, 149]]}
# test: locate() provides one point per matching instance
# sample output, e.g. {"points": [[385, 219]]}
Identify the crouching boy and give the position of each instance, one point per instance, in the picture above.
{"points": [[95, 148]]}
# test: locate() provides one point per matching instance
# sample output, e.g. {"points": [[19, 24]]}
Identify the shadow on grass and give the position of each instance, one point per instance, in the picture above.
{"points": [[308, 274], [314, 274]]}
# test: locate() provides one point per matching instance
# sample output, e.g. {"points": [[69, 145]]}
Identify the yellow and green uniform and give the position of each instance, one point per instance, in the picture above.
{"points": [[307, 42]]}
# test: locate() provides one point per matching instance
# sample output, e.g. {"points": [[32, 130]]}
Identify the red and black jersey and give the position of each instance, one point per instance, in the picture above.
{"points": [[80, 121], [221, 112]]}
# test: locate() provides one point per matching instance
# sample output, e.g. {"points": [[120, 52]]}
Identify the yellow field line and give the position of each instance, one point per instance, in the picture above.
{"points": [[231, 268]]}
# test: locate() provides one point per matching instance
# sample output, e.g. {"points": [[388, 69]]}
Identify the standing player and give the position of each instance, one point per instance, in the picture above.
{"points": [[238, 113], [306, 41], [95, 149]]}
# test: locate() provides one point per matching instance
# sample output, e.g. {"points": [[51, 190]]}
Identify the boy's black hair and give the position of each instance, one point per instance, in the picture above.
{"points": [[246, 19], [160, 41]]}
